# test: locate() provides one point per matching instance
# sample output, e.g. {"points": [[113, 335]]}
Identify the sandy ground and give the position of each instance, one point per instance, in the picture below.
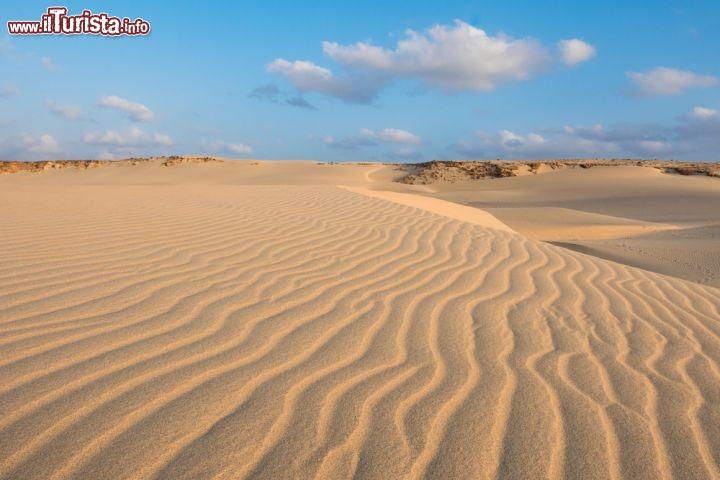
{"points": [[637, 216], [293, 320]]}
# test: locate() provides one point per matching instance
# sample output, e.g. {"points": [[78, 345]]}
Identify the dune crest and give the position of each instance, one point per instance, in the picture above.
{"points": [[436, 205]]}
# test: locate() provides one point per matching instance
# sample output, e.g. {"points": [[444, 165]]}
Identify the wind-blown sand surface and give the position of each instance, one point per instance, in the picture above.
{"points": [[633, 215], [239, 320]]}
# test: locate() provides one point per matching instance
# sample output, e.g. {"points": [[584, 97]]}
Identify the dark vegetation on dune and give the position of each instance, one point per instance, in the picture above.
{"points": [[41, 166], [463, 170]]}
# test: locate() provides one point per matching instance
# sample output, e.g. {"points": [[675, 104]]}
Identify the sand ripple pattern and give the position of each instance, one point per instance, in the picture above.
{"points": [[312, 332]]}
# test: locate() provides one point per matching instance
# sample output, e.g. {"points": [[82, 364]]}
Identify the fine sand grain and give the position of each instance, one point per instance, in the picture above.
{"points": [[255, 320]]}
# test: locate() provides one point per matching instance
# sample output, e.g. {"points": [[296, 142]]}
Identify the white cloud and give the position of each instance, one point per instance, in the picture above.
{"points": [[308, 77], [43, 145], [135, 111], [393, 135], [453, 57], [654, 146], [232, 148], [670, 81], [240, 148], [509, 144], [450, 57], [304, 75], [162, 139], [370, 138], [513, 141], [405, 153], [10, 90], [132, 137], [69, 112], [702, 127], [49, 64], [692, 137], [702, 113], [29, 147], [575, 51]]}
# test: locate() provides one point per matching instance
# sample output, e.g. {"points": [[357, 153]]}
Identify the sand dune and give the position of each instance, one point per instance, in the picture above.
{"points": [[184, 326], [633, 215]]}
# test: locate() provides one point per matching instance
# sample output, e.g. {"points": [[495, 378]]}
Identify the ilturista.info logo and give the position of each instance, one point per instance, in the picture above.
{"points": [[57, 22]]}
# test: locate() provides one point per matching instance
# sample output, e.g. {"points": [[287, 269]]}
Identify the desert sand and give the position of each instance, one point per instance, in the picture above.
{"points": [[291, 319]]}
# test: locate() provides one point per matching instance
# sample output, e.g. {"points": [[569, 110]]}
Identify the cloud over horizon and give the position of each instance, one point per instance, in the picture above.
{"points": [[700, 127], [451, 58], [669, 81], [30, 147], [392, 135], [308, 77], [131, 137], [136, 112], [369, 138], [241, 149]]}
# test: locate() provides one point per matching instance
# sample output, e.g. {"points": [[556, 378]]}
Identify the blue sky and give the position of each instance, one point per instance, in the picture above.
{"points": [[371, 80]]}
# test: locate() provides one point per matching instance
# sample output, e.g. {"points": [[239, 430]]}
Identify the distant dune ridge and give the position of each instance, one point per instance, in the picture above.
{"points": [[453, 171], [298, 320], [44, 165]]}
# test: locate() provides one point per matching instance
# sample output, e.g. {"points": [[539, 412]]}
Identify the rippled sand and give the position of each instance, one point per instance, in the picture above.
{"points": [[193, 324]]}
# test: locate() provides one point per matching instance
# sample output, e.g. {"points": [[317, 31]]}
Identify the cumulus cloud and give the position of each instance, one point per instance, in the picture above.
{"points": [[308, 77], [393, 135], [10, 90], [702, 113], [513, 141], [369, 138], [450, 57], [239, 148], [457, 57], [162, 139], [30, 147], [134, 111], [131, 137], [575, 51], [45, 144], [509, 144], [702, 126], [694, 136], [132, 141], [272, 94], [69, 112], [669, 81]]}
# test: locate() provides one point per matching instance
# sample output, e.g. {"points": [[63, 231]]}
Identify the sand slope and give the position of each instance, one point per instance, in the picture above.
{"points": [[260, 331], [633, 215]]}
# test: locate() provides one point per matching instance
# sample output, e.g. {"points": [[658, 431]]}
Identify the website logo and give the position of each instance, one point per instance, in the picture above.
{"points": [[57, 22]]}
